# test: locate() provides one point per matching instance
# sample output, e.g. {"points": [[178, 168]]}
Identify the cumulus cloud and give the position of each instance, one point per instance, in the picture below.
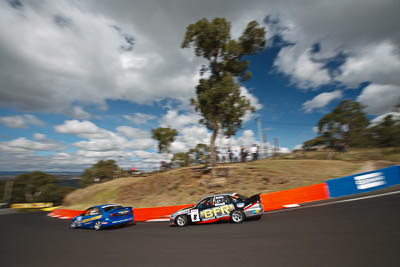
{"points": [[378, 63], [380, 98], [302, 69], [140, 118], [84, 129], [253, 101], [321, 100], [73, 66], [79, 113], [104, 140], [21, 121], [178, 121], [381, 118], [320, 49], [189, 137], [22, 144]]}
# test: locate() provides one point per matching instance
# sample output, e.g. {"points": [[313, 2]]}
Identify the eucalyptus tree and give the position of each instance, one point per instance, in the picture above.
{"points": [[218, 97]]}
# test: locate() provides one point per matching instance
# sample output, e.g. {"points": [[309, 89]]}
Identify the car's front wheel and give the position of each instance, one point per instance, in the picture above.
{"points": [[237, 216], [181, 220], [97, 226], [73, 225]]}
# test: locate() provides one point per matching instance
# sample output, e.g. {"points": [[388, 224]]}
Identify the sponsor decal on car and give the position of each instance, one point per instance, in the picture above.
{"points": [[194, 215], [91, 219], [216, 212]]}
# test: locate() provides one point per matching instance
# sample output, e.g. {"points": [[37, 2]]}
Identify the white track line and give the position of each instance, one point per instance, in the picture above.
{"points": [[335, 202], [158, 220]]}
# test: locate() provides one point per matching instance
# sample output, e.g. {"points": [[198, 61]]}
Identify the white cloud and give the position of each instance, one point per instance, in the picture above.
{"points": [[378, 63], [79, 113], [140, 118], [133, 133], [83, 60], [21, 121], [189, 137], [41, 144], [302, 69], [321, 100], [84, 129], [178, 121], [381, 118], [298, 147], [253, 101], [379, 98]]}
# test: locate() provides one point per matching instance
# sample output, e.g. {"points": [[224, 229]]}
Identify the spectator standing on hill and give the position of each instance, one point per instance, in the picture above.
{"points": [[243, 154], [230, 155], [254, 152], [236, 154]]}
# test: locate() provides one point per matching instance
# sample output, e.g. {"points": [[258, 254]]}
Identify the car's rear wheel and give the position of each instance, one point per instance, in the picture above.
{"points": [[181, 220], [257, 217], [97, 226], [73, 225], [237, 216]]}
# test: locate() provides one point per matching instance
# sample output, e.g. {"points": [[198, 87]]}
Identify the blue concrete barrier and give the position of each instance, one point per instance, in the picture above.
{"points": [[364, 182]]}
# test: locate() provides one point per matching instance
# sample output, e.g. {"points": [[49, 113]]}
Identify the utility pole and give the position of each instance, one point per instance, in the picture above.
{"points": [[259, 128], [265, 151], [276, 147]]}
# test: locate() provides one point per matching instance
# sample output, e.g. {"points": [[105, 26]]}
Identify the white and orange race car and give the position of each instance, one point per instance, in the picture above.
{"points": [[230, 207]]}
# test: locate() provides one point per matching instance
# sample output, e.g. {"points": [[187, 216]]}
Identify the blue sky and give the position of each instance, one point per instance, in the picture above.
{"points": [[85, 81]]}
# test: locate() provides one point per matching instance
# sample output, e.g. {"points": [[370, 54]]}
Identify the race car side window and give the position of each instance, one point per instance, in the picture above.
{"points": [[95, 211], [87, 212], [228, 200], [219, 200], [205, 203]]}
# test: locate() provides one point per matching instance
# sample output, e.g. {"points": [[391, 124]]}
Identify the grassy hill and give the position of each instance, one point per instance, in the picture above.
{"points": [[188, 185]]}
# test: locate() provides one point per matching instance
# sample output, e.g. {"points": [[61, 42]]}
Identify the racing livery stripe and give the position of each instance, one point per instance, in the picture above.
{"points": [[250, 206]]}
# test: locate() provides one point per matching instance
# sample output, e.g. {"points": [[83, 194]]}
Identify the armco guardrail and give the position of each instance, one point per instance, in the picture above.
{"points": [[278, 200], [364, 182]]}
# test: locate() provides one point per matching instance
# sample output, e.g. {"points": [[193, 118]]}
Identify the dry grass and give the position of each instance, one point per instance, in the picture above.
{"points": [[391, 155], [183, 186]]}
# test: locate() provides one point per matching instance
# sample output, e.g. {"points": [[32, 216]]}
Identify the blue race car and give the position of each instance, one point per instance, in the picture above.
{"points": [[102, 216]]}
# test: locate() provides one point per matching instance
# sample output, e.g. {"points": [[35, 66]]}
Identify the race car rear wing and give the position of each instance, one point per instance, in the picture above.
{"points": [[253, 199]]}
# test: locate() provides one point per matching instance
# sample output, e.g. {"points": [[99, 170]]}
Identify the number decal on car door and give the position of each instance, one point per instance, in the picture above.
{"points": [[194, 214]]}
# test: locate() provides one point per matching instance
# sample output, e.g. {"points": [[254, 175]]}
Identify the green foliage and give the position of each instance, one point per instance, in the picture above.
{"points": [[310, 144], [218, 97], [346, 124], [202, 151], [181, 159], [2, 186], [164, 136], [387, 133], [38, 187], [184, 159], [102, 170]]}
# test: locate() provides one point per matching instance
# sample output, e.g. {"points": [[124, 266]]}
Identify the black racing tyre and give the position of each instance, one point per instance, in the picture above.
{"points": [[181, 220], [73, 225], [237, 216], [97, 226], [256, 218]]}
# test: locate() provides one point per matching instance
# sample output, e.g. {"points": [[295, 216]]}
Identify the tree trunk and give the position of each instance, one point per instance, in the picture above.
{"points": [[213, 159]]}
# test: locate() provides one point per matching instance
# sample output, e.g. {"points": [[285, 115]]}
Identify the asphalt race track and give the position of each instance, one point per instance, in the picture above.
{"points": [[360, 233]]}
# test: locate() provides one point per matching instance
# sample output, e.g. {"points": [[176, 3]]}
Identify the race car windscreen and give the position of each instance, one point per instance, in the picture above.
{"points": [[107, 209]]}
